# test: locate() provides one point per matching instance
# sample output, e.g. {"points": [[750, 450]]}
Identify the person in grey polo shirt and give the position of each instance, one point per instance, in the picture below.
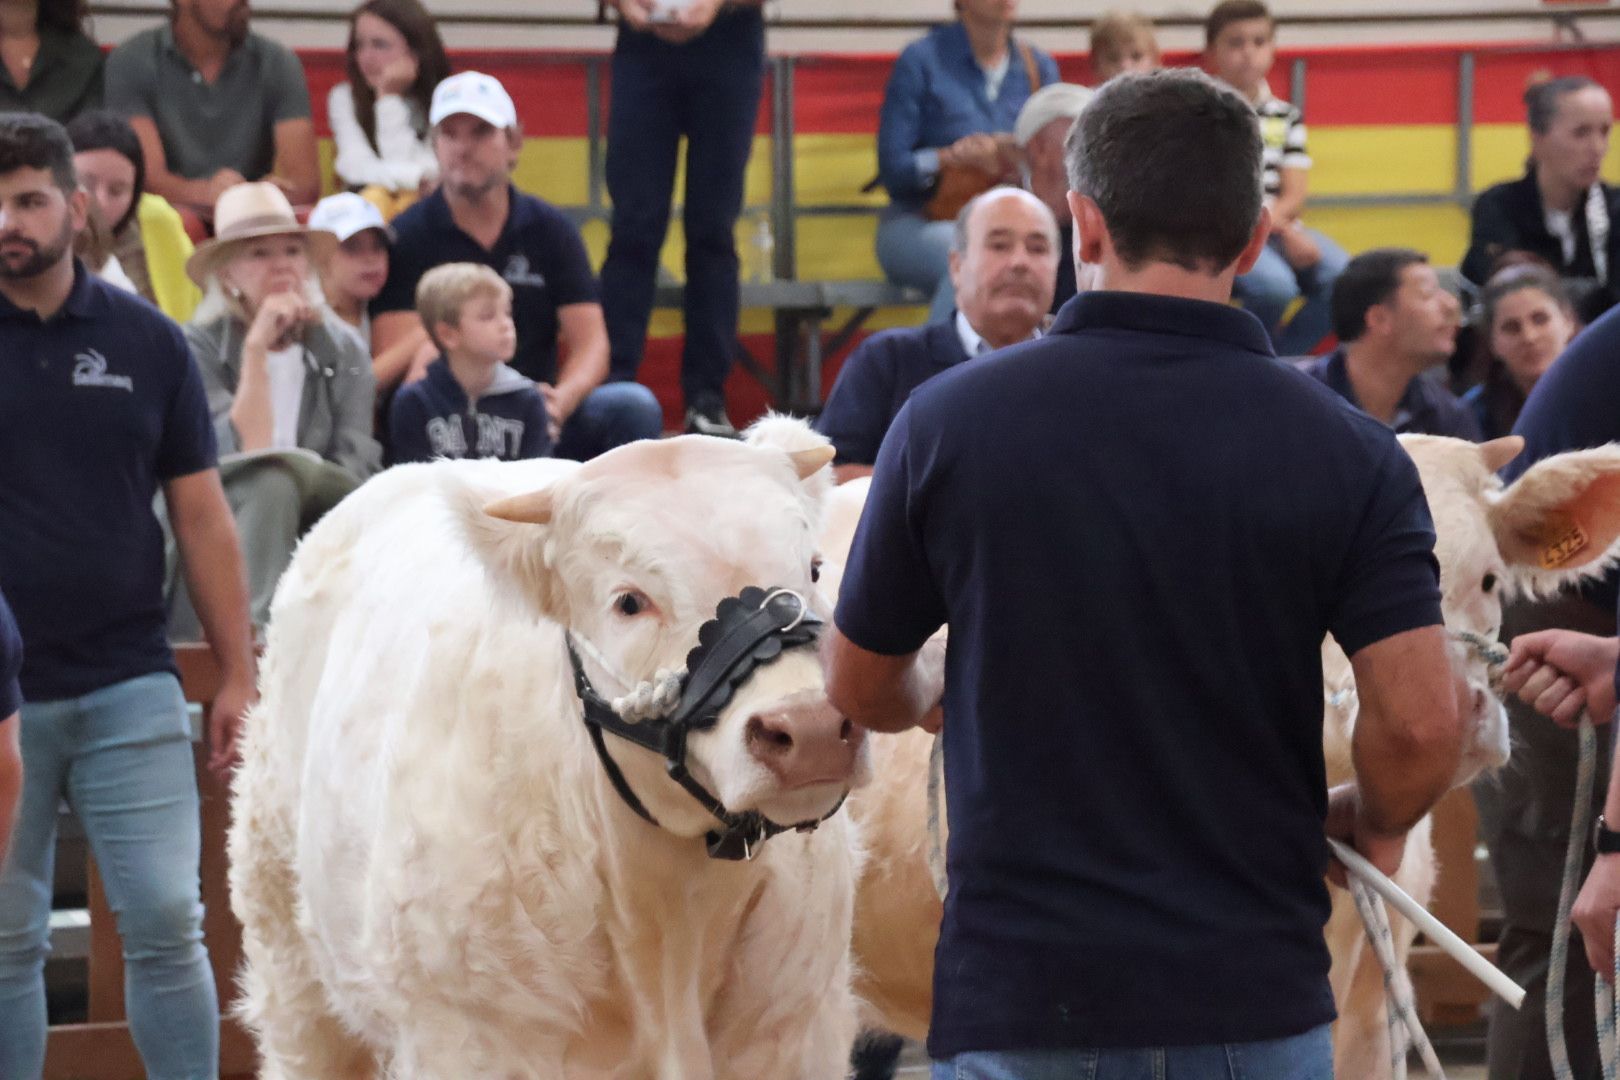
{"points": [[215, 104]]}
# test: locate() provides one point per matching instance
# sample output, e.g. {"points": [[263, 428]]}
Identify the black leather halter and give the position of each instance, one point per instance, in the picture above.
{"points": [[748, 631]]}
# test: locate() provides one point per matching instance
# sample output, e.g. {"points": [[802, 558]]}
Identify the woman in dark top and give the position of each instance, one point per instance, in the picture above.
{"points": [[1559, 210], [47, 62], [1526, 321]]}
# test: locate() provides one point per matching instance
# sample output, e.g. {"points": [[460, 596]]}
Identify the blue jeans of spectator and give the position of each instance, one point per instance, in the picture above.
{"points": [[122, 758], [1297, 1057], [916, 252], [708, 91], [611, 415], [1272, 285]]}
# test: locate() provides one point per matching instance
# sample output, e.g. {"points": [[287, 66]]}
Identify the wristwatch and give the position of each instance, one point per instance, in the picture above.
{"points": [[1605, 841]]}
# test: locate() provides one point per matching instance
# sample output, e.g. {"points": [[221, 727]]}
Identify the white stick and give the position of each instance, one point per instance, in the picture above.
{"points": [[1437, 931]]}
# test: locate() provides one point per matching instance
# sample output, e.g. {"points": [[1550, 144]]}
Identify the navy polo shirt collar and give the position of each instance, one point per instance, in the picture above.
{"points": [[84, 300], [1155, 314], [1415, 406], [518, 213]]}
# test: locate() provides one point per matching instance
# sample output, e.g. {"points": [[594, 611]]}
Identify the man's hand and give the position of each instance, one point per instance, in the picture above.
{"points": [[225, 717], [689, 22], [979, 151], [1594, 913], [1560, 672], [638, 13], [1345, 824], [225, 178], [1298, 247], [560, 405]]}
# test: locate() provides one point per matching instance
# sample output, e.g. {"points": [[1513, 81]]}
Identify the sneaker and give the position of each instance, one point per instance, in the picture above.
{"points": [[709, 418]]}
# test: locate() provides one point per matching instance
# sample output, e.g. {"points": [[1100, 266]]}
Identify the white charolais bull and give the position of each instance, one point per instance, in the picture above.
{"points": [[1558, 522], [436, 878]]}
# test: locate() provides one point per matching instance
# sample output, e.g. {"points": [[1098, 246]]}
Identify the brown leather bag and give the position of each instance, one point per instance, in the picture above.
{"points": [[957, 185]]}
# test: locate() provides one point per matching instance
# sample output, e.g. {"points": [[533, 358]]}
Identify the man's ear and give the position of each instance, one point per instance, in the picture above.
{"points": [[79, 209], [1257, 242], [1091, 238], [955, 263]]}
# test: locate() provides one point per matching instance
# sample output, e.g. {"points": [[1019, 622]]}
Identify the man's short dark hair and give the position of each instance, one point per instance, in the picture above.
{"points": [[1371, 278], [1228, 12], [1172, 159], [32, 141]]}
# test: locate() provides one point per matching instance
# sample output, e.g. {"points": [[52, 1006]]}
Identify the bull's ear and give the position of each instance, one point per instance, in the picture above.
{"points": [[1560, 521], [810, 461], [533, 508], [1498, 452]]}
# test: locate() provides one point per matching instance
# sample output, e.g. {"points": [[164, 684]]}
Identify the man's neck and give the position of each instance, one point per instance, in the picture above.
{"points": [[1164, 279], [19, 18], [1556, 195], [988, 39], [1379, 377], [206, 50], [474, 374], [484, 216], [44, 294]]}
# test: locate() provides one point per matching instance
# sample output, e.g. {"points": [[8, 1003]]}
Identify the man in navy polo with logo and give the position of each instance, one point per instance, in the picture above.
{"points": [[101, 406], [1138, 530], [477, 216], [1004, 262]]}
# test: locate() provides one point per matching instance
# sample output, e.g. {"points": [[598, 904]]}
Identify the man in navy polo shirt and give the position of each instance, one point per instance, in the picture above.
{"points": [[100, 406], [1395, 324], [1138, 530], [11, 657], [477, 216], [1004, 260]]}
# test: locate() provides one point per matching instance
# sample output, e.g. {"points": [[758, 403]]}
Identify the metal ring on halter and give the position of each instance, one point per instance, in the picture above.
{"points": [[804, 608]]}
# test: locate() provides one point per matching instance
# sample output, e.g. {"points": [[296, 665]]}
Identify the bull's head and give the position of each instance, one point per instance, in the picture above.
{"points": [[633, 553]]}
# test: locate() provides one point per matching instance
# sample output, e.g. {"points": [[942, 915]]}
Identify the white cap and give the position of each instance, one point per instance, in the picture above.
{"points": [[1055, 101], [345, 214], [476, 94]]}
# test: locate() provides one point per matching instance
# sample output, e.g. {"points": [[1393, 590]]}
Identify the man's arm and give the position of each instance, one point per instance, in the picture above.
{"points": [[582, 361], [206, 535], [1407, 742], [1290, 201], [11, 775], [199, 194], [297, 164], [884, 693]]}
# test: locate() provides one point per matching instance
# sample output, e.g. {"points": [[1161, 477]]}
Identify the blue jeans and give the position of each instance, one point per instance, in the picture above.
{"points": [[122, 758], [1272, 285], [916, 252], [611, 415], [707, 91], [1298, 1057]]}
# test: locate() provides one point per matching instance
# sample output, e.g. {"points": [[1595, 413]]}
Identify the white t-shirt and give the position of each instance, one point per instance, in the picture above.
{"points": [[1562, 225], [286, 368]]}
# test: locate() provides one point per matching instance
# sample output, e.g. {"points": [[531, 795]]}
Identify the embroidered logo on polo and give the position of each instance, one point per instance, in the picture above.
{"points": [[90, 369], [519, 272]]}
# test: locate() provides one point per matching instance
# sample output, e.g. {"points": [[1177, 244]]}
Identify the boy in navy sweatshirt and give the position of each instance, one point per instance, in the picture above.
{"points": [[470, 404]]}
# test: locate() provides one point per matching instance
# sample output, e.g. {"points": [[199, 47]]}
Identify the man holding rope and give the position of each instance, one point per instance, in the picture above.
{"points": [[1138, 530]]}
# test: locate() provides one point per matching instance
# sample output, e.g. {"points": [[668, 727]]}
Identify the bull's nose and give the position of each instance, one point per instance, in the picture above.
{"points": [[804, 743]]}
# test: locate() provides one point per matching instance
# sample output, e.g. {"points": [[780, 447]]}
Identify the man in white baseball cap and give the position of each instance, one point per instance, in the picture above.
{"points": [[357, 269], [476, 215], [1040, 130]]}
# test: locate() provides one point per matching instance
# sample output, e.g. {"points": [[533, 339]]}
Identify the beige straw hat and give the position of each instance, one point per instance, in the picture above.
{"points": [[246, 212]]}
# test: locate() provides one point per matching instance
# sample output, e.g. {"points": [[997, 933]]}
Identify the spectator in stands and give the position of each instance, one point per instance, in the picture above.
{"points": [[1394, 323], [283, 373], [48, 64], [148, 238], [476, 215], [11, 775], [690, 69], [470, 404], [1527, 321], [1004, 258], [945, 134], [1122, 41], [215, 104], [1299, 263], [1559, 211], [106, 411], [358, 267], [379, 117], [1042, 126]]}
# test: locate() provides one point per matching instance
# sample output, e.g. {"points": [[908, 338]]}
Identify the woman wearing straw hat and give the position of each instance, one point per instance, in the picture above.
{"points": [[289, 383]]}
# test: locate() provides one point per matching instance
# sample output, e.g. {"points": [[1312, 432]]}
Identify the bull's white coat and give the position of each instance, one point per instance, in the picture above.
{"points": [[434, 876]]}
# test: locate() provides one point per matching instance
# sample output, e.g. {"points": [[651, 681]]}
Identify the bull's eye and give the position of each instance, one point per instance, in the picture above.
{"points": [[815, 569], [630, 603], [1489, 584]]}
